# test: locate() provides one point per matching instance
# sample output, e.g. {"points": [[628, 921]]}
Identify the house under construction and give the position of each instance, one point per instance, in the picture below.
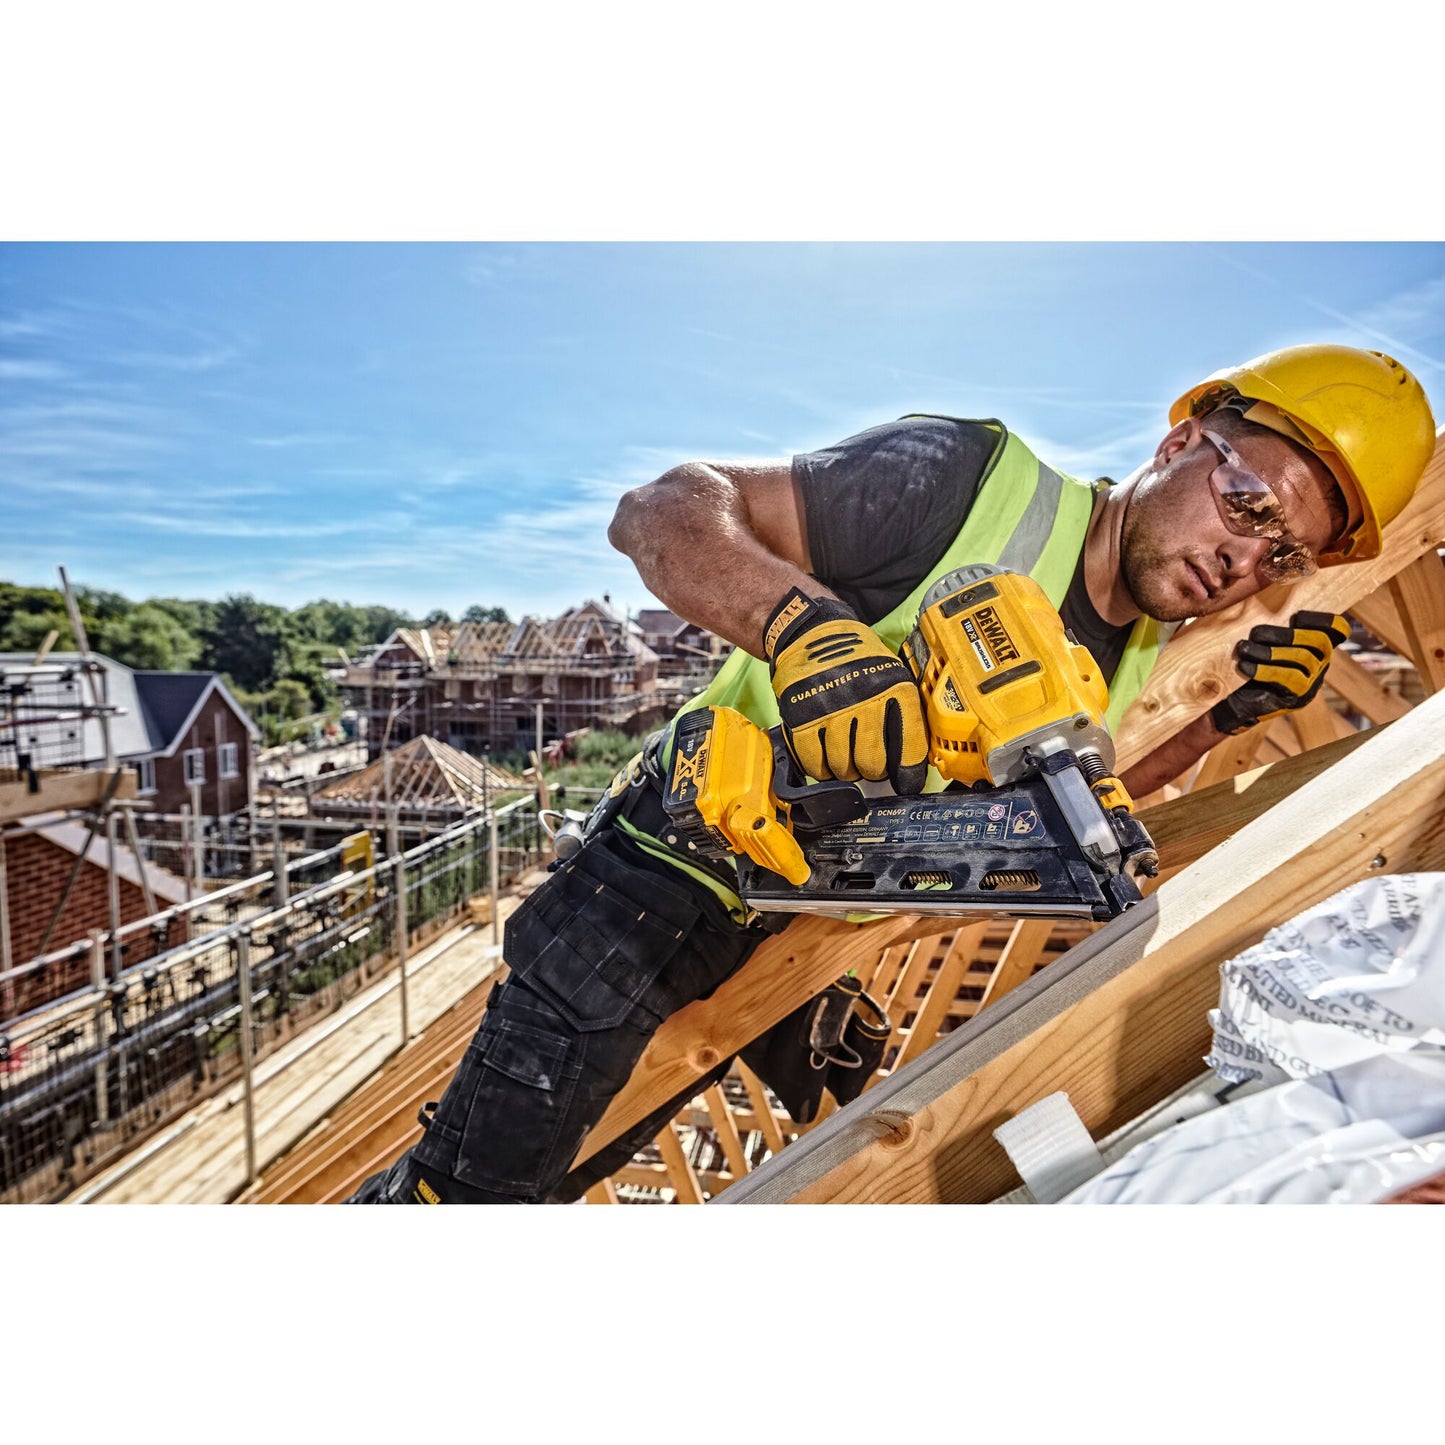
{"points": [[503, 687], [421, 781]]}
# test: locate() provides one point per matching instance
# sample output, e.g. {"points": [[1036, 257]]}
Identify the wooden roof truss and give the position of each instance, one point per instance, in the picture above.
{"points": [[990, 1017], [423, 773]]}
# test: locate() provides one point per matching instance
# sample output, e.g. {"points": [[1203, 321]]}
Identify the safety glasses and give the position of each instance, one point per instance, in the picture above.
{"points": [[1250, 509]]}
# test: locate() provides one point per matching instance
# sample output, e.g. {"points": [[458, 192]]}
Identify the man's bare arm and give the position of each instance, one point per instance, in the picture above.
{"points": [[721, 543], [1171, 758]]}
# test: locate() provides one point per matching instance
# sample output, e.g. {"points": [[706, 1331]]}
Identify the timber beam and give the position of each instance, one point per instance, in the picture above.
{"points": [[61, 791], [783, 974], [1122, 1019]]}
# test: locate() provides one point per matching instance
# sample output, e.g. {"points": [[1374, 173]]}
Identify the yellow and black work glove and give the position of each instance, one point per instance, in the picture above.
{"points": [[849, 707], [1285, 665]]}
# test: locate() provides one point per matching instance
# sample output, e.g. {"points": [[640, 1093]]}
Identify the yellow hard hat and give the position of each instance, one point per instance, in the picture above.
{"points": [[1361, 412]]}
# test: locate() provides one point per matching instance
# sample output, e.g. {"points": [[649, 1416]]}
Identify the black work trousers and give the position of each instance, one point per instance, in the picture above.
{"points": [[612, 944]]}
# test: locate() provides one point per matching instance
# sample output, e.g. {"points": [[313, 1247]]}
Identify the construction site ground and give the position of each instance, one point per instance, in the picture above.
{"points": [[201, 1158]]}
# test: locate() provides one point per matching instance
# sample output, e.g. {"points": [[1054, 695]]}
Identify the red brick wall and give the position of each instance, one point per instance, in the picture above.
{"points": [[215, 724], [36, 871]]}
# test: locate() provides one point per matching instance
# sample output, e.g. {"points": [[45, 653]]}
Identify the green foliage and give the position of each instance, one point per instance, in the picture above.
{"points": [[25, 631], [381, 622], [438, 617], [148, 637], [195, 617], [28, 613], [341, 627], [596, 758], [601, 746], [291, 698], [477, 613], [103, 606], [246, 640], [274, 660]]}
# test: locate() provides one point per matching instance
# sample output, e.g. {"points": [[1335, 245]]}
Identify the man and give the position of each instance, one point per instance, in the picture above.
{"points": [[813, 568]]}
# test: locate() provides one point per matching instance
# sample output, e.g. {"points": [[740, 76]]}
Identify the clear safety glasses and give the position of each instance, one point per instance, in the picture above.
{"points": [[1250, 509]]}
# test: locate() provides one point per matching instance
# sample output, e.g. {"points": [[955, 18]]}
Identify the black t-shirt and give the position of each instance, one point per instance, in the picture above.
{"points": [[881, 508]]}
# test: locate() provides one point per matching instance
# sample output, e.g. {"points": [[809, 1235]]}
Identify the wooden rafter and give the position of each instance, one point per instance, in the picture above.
{"points": [[1124, 1019]]}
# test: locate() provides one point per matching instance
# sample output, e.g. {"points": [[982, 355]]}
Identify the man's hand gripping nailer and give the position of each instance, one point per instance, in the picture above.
{"points": [[1034, 821]]}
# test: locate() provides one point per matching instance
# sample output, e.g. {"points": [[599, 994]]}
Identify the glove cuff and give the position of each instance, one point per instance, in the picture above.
{"points": [[1230, 718], [795, 614]]}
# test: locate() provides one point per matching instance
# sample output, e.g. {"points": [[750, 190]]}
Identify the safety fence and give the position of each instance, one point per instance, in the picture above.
{"points": [[84, 1079], [49, 980], [211, 847]]}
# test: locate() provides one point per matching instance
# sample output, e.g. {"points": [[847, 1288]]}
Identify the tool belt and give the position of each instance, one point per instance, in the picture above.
{"points": [[636, 795], [835, 1041]]}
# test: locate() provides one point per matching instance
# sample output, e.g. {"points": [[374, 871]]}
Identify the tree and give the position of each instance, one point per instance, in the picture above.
{"points": [[246, 640], [25, 631], [100, 605], [148, 637], [291, 699], [440, 617], [28, 613], [477, 613], [194, 616], [337, 625], [381, 622]]}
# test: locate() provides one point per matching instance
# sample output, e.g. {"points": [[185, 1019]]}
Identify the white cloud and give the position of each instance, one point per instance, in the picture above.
{"points": [[1411, 315], [32, 371], [301, 439], [1115, 456], [231, 526], [208, 360]]}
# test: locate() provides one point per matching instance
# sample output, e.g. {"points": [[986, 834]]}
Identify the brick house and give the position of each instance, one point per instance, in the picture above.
{"points": [[167, 730], [174, 728]]}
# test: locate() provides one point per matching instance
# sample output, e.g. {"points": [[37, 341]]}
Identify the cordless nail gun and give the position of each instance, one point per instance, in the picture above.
{"points": [[1030, 822]]}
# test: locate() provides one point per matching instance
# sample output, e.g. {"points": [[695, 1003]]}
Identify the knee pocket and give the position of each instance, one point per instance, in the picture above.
{"points": [[502, 1120], [594, 938]]}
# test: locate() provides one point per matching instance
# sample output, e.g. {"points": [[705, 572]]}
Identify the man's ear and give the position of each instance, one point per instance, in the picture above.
{"points": [[1178, 439]]}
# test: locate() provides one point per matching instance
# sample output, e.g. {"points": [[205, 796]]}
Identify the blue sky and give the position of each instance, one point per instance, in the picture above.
{"points": [[436, 425]]}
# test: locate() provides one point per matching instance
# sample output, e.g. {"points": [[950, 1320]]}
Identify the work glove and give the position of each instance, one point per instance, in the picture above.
{"points": [[1285, 665], [849, 707]]}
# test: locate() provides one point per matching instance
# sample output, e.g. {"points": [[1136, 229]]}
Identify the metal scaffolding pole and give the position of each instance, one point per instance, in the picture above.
{"points": [[198, 854], [7, 962], [492, 849], [243, 980], [97, 978], [112, 889], [399, 883], [278, 863]]}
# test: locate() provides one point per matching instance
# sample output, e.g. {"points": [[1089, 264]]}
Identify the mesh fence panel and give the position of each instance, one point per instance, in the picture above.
{"points": [[83, 1079]]}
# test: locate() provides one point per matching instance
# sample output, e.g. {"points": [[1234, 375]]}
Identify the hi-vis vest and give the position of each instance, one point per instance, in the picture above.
{"points": [[1026, 517]]}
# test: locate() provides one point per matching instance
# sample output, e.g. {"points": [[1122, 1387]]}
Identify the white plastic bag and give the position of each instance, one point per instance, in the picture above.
{"points": [[1342, 1011], [1360, 974]]}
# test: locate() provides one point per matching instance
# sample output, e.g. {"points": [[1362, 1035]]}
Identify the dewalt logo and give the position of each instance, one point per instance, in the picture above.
{"points": [[1000, 644], [690, 769]]}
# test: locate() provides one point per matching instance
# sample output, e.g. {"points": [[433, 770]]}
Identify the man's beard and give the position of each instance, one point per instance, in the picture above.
{"points": [[1146, 572]]}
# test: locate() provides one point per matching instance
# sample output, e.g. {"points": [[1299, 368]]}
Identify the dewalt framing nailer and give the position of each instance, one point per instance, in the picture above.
{"points": [[1032, 821]]}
